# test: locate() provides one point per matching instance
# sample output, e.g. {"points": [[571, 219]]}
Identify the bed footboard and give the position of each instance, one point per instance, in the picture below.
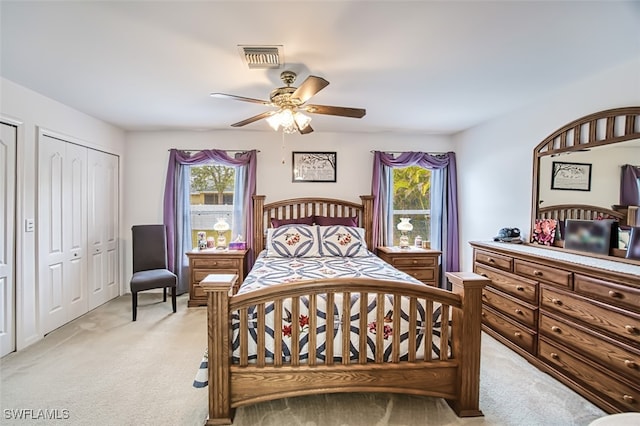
{"points": [[453, 374]]}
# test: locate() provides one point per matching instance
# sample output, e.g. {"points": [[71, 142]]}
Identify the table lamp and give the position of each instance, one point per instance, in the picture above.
{"points": [[404, 227], [221, 226]]}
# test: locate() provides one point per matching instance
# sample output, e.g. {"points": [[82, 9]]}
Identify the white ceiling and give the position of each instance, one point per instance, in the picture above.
{"points": [[418, 66]]}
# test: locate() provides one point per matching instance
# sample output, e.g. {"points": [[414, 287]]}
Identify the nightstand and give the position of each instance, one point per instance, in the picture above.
{"points": [[420, 263], [213, 261]]}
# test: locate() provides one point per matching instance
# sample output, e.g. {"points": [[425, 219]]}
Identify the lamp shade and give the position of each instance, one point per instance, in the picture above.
{"points": [[221, 225], [404, 224]]}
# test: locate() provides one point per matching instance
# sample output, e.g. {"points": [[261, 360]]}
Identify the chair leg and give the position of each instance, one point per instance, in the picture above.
{"points": [[164, 294], [134, 304], [174, 290]]}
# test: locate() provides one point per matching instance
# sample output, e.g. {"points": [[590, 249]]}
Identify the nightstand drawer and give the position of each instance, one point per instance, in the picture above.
{"points": [[408, 261], [215, 263], [421, 274]]}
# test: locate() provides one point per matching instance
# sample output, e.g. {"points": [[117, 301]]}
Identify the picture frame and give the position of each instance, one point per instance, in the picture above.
{"points": [[633, 248], [308, 166], [593, 236], [571, 176]]}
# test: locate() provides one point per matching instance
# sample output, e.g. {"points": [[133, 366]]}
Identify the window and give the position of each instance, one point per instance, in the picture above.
{"points": [[211, 195], [412, 199]]}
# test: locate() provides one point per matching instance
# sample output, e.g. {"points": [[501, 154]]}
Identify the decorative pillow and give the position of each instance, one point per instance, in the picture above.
{"points": [[297, 221], [292, 241], [344, 241], [329, 221]]}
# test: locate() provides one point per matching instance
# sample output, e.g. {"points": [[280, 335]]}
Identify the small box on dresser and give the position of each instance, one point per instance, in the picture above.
{"points": [[213, 261], [584, 315]]}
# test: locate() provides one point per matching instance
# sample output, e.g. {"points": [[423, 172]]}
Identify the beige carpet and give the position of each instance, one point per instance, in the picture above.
{"points": [[104, 369]]}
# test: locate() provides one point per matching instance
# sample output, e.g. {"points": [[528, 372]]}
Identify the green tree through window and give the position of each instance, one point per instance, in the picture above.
{"points": [[412, 198], [211, 195]]}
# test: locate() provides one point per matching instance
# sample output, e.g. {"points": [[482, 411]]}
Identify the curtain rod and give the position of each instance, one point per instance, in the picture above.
{"points": [[225, 150], [402, 152]]}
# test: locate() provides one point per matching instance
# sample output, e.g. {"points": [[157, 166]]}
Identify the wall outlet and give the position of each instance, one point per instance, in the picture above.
{"points": [[29, 225]]}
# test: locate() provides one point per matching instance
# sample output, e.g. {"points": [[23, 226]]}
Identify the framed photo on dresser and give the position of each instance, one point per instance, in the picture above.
{"points": [[633, 248]]}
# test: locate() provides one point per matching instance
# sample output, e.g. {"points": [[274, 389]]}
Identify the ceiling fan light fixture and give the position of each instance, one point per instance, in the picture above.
{"points": [[302, 120], [287, 119]]}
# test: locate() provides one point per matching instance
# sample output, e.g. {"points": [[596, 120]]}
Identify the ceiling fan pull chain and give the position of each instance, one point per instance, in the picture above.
{"points": [[282, 147]]}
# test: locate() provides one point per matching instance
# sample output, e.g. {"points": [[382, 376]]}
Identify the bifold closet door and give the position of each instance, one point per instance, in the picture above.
{"points": [[62, 231], [103, 228], [8, 142]]}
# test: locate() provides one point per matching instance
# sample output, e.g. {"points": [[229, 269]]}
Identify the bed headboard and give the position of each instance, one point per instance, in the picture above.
{"points": [[304, 207], [580, 211]]}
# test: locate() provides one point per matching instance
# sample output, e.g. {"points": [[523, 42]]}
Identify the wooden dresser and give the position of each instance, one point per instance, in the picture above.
{"points": [[418, 262], [213, 261], [575, 317]]}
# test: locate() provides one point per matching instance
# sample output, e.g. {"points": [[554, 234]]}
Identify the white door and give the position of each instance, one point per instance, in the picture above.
{"points": [[8, 137], [62, 224], [104, 284]]}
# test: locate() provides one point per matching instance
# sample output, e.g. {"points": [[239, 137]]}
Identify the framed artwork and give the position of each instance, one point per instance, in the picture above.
{"points": [[633, 248], [313, 166], [544, 231], [593, 236], [571, 176]]}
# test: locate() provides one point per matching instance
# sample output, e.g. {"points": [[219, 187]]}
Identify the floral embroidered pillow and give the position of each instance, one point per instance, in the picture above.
{"points": [[344, 241], [292, 241]]}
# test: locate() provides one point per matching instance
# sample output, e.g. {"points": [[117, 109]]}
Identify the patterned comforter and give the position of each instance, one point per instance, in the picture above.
{"points": [[269, 271]]}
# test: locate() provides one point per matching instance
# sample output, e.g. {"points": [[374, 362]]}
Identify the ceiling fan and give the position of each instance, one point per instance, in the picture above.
{"points": [[291, 103]]}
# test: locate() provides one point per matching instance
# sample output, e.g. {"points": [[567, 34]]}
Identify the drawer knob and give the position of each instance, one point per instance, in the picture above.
{"points": [[519, 311], [415, 261], [517, 334], [484, 314], [484, 275], [630, 364], [556, 302], [490, 260], [629, 398], [556, 329], [554, 355], [615, 294], [520, 288], [537, 273], [631, 329]]}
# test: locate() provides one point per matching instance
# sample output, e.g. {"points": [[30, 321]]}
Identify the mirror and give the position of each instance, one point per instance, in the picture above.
{"points": [[576, 170]]}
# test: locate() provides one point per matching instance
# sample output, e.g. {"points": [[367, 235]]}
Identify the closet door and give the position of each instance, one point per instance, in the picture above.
{"points": [[104, 284], [62, 231], [8, 138]]}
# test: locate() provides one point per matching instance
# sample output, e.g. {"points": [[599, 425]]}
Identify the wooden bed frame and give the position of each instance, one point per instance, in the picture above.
{"points": [[233, 385], [561, 212]]}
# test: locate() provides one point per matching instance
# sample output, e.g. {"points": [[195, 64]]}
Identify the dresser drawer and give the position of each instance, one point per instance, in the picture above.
{"points": [[521, 312], [492, 259], [608, 386], [611, 293], [210, 262], [522, 288], [543, 273], [616, 321], [520, 335], [593, 345]]}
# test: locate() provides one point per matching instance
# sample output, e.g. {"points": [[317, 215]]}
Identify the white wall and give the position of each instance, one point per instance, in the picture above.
{"points": [[495, 159], [34, 111], [147, 156]]}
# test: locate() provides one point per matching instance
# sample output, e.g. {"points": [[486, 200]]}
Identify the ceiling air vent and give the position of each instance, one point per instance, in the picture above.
{"points": [[262, 56]]}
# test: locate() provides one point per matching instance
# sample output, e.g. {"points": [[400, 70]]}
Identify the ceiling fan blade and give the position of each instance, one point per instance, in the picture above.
{"points": [[254, 118], [239, 98], [308, 129], [334, 110], [309, 87]]}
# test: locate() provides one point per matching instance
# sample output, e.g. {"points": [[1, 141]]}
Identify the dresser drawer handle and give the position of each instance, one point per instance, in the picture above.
{"points": [[519, 311], [490, 260], [484, 275], [517, 334], [556, 329], [630, 364], [629, 398], [554, 355], [556, 302], [484, 294], [615, 294], [415, 262], [631, 329], [484, 314], [520, 288], [537, 273]]}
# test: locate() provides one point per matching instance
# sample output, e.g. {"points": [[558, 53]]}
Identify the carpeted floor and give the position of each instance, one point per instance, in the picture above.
{"points": [[104, 369]]}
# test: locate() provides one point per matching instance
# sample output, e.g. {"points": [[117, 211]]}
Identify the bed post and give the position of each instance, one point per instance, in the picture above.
{"points": [[466, 328], [367, 220], [217, 287], [258, 225]]}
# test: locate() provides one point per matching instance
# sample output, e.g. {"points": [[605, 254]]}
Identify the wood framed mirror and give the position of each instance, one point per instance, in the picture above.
{"points": [[590, 152]]}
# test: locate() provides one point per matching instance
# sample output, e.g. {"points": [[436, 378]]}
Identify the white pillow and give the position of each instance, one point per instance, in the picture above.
{"points": [[292, 241], [343, 241]]}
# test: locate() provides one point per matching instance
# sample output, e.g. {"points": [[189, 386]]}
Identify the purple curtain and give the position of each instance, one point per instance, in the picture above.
{"points": [[445, 161], [178, 158], [629, 189]]}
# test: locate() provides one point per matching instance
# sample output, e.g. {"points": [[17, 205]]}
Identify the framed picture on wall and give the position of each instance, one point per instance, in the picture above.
{"points": [[314, 166], [571, 176]]}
